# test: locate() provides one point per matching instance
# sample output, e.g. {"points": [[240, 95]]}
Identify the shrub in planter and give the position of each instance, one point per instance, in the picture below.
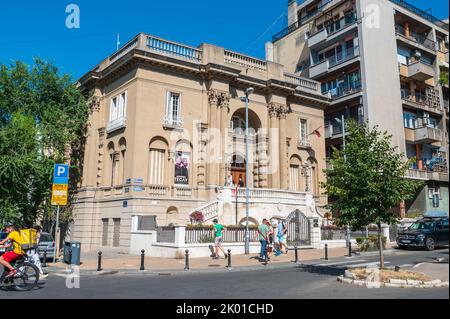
{"points": [[370, 243]]}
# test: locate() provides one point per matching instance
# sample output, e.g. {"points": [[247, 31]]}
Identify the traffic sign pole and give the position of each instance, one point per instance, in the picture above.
{"points": [[56, 235]]}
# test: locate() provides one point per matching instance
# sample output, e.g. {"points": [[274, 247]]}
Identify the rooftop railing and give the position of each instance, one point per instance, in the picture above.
{"points": [[421, 13], [174, 49], [245, 61]]}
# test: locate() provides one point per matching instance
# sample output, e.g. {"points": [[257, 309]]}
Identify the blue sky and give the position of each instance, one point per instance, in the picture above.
{"points": [[37, 28]]}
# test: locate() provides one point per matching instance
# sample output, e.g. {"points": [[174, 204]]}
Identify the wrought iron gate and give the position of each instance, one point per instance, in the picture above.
{"points": [[298, 229]]}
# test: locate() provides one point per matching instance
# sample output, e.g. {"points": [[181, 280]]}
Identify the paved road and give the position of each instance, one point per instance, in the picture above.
{"points": [[311, 280]]}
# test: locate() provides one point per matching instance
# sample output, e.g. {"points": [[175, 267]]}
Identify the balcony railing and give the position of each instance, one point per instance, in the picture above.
{"points": [[427, 134], [304, 143], [127, 48], [265, 195], [302, 82], [338, 59], [323, 34], [245, 61], [419, 101], [174, 49], [168, 122], [420, 13], [418, 38], [346, 89]]}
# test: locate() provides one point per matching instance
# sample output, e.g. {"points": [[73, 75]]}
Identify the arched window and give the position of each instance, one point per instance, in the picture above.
{"points": [[157, 161], [112, 164], [295, 173], [123, 150]]}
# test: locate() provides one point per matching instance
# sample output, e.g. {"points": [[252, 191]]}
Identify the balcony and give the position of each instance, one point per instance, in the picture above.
{"points": [[418, 101], [420, 71], [427, 175], [116, 124], [173, 123], [345, 90], [427, 134], [326, 34], [416, 40], [304, 143], [333, 63]]}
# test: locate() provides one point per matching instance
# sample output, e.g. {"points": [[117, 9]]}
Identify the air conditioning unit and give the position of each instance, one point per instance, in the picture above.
{"points": [[417, 53]]}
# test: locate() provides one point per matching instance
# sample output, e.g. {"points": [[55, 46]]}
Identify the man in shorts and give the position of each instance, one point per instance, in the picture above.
{"points": [[218, 229], [7, 258]]}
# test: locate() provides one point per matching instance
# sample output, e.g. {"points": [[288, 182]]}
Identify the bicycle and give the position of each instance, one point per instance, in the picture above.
{"points": [[27, 276]]}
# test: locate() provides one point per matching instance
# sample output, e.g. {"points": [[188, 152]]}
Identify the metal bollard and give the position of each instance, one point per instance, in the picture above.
{"points": [[44, 261], [99, 266], [349, 249], [229, 259], [70, 260], [265, 259], [186, 264], [296, 254], [142, 259], [326, 251]]}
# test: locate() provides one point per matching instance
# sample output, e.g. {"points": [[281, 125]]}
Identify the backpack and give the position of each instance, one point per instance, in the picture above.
{"points": [[28, 238]]}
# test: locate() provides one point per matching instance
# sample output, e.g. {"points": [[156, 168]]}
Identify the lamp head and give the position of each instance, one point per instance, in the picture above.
{"points": [[249, 91]]}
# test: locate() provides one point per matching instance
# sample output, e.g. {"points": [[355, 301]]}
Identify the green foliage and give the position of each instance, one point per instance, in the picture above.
{"points": [[367, 180], [43, 118], [370, 243], [443, 78]]}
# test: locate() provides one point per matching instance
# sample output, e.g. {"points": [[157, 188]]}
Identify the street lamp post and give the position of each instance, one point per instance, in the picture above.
{"points": [[248, 91]]}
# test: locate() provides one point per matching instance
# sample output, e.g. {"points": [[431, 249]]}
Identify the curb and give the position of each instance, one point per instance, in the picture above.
{"points": [[350, 278]]}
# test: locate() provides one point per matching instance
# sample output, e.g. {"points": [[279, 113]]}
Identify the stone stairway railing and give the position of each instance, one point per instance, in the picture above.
{"points": [[209, 210]]}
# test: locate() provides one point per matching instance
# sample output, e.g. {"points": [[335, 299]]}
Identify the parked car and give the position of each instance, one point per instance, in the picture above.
{"points": [[427, 233], [46, 243]]}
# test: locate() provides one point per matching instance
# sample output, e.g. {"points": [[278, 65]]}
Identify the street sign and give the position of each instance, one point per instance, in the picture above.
{"points": [[60, 184]]}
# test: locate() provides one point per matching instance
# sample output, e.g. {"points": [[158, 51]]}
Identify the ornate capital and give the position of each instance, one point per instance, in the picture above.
{"points": [[282, 111], [273, 109], [224, 99], [94, 104], [213, 97]]}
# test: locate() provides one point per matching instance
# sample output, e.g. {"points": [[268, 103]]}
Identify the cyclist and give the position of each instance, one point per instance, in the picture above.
{"points": [[10, 256]]}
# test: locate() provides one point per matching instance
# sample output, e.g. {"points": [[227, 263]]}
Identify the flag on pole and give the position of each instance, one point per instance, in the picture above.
{"points": [[316, 131]]}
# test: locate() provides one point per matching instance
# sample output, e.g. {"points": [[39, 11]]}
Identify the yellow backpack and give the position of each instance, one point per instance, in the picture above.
{"points": [[28, 238]]}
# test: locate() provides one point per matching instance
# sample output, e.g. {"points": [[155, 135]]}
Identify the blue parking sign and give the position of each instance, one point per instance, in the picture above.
{"points": [[61, 174]]}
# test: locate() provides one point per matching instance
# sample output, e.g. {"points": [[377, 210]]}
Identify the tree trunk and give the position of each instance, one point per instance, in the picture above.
{"points": [[380, 244]]}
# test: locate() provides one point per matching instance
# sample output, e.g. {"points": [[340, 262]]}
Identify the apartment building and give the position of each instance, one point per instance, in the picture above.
{"points": [[166, 139], [383, 62]]}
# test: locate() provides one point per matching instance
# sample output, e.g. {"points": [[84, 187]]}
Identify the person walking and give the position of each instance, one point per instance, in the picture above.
{"points": [[282, 234], [262, 237], [218, 229]]}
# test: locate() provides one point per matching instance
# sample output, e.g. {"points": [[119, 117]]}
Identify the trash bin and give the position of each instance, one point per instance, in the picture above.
{"points": [[75, 246]]}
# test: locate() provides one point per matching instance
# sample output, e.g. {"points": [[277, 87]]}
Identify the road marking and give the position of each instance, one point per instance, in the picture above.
{"points": [[368, 264], [418, 265], [341, 263]]}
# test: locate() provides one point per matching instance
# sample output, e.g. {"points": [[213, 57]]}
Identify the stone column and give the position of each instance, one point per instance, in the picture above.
{"points": [[212, 166], [90, 174], [224, 102], [283, 148], [274, 147]]}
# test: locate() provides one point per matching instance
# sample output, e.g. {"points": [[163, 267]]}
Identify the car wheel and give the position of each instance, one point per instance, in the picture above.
{"points": [[430, 244]]}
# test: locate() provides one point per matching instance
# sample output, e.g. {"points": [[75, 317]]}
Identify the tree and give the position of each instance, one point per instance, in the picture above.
{"points": [[366, 181], [43, 118]]}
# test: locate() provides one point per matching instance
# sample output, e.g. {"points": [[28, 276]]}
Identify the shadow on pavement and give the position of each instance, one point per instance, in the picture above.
{"points": [[323, 270]]}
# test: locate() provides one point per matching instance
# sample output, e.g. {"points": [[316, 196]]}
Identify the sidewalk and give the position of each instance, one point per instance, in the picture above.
{"points": [[123, 262]]}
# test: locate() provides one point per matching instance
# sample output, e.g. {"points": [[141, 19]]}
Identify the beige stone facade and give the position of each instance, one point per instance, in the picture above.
{"points": [[166, 133]]}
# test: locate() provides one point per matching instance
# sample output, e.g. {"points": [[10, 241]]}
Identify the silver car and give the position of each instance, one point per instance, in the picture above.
{"points": [[46, 243]]}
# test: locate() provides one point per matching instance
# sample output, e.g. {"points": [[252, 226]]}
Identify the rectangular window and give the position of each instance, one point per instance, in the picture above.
{"points": [[295, 173], [303, 130], [105, 232], [116, 234], [146, 223], [173, 111], [117, 111]]}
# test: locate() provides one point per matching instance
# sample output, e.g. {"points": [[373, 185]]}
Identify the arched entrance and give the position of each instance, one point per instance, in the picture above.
{"points": [[298, 230]]}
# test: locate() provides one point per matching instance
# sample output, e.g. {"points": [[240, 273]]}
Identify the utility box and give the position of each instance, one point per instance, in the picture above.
{"points": [[75, 246]]}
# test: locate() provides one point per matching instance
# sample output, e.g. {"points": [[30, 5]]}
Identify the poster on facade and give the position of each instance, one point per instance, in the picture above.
{"points": [[182, 169]]}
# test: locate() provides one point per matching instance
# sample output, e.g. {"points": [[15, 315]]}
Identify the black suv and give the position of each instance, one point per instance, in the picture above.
{"points": [[427, 233]]}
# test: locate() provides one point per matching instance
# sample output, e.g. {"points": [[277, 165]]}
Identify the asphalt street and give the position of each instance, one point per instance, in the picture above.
{"points": [[314, 279]]}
